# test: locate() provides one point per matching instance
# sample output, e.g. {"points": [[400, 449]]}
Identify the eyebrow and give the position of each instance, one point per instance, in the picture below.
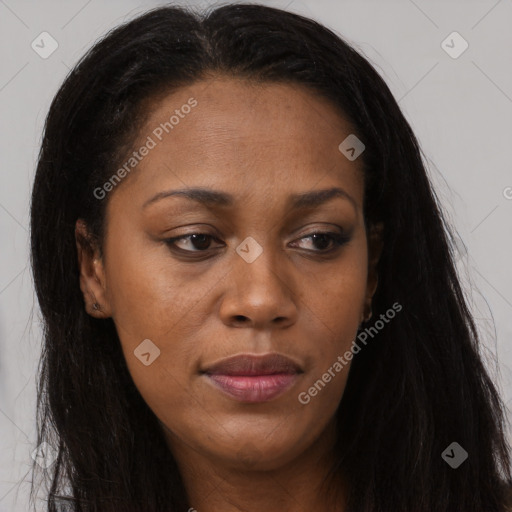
{"points": [[213, 198]]}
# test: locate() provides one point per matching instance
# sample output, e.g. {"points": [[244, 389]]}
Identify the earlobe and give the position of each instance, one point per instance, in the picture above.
{"points": [[91, 273]]}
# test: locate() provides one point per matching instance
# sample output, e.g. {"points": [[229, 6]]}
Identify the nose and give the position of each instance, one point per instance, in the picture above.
{"points": [[259, 295]]}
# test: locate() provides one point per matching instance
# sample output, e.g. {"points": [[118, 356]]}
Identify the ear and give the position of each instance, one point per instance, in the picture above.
{"points": [[375, 245], [92, 273]]}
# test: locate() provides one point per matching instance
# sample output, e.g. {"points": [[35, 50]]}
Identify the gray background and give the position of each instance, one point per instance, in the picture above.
{"points": [[460, 109]]}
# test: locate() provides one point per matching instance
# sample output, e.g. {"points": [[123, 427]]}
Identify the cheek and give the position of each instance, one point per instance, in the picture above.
{"points": [[336, 294], [149, 302], [335, 301], [150, 294]]}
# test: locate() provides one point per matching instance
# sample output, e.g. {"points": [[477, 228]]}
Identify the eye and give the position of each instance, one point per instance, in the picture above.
{"points": [[327, 240], [199, 240]]}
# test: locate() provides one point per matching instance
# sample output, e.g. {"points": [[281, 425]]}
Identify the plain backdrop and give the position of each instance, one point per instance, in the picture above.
{"points": [[460, 109]]}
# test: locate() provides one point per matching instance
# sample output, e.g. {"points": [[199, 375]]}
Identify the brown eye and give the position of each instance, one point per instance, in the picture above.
{"points": [[199, 242], [322, 242], [327, 241]]}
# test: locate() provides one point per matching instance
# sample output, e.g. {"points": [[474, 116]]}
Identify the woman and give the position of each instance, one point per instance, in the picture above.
{"points": [[249, 295]]}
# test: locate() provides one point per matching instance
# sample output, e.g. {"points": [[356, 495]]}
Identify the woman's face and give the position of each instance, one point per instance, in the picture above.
{"points": [[257, 282]]}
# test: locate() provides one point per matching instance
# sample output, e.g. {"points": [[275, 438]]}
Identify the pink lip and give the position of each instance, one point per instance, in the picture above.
{"points": [[255, 388], [253, 378]]}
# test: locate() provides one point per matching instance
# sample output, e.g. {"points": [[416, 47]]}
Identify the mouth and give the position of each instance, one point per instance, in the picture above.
{"points": [[253, 378]]}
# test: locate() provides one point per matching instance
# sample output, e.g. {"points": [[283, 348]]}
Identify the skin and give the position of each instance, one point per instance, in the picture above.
{"points": [[260, 143]]}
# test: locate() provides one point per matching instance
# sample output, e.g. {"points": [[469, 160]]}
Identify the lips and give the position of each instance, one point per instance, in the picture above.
{"points": [[248, 364], [253, 378]]}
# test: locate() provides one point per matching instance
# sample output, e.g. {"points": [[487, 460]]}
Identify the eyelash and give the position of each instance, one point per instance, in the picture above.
{"points": [[339, 240]]}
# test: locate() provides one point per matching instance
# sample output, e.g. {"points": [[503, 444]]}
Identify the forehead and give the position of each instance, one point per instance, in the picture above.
{"points": [[243, 136]]}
